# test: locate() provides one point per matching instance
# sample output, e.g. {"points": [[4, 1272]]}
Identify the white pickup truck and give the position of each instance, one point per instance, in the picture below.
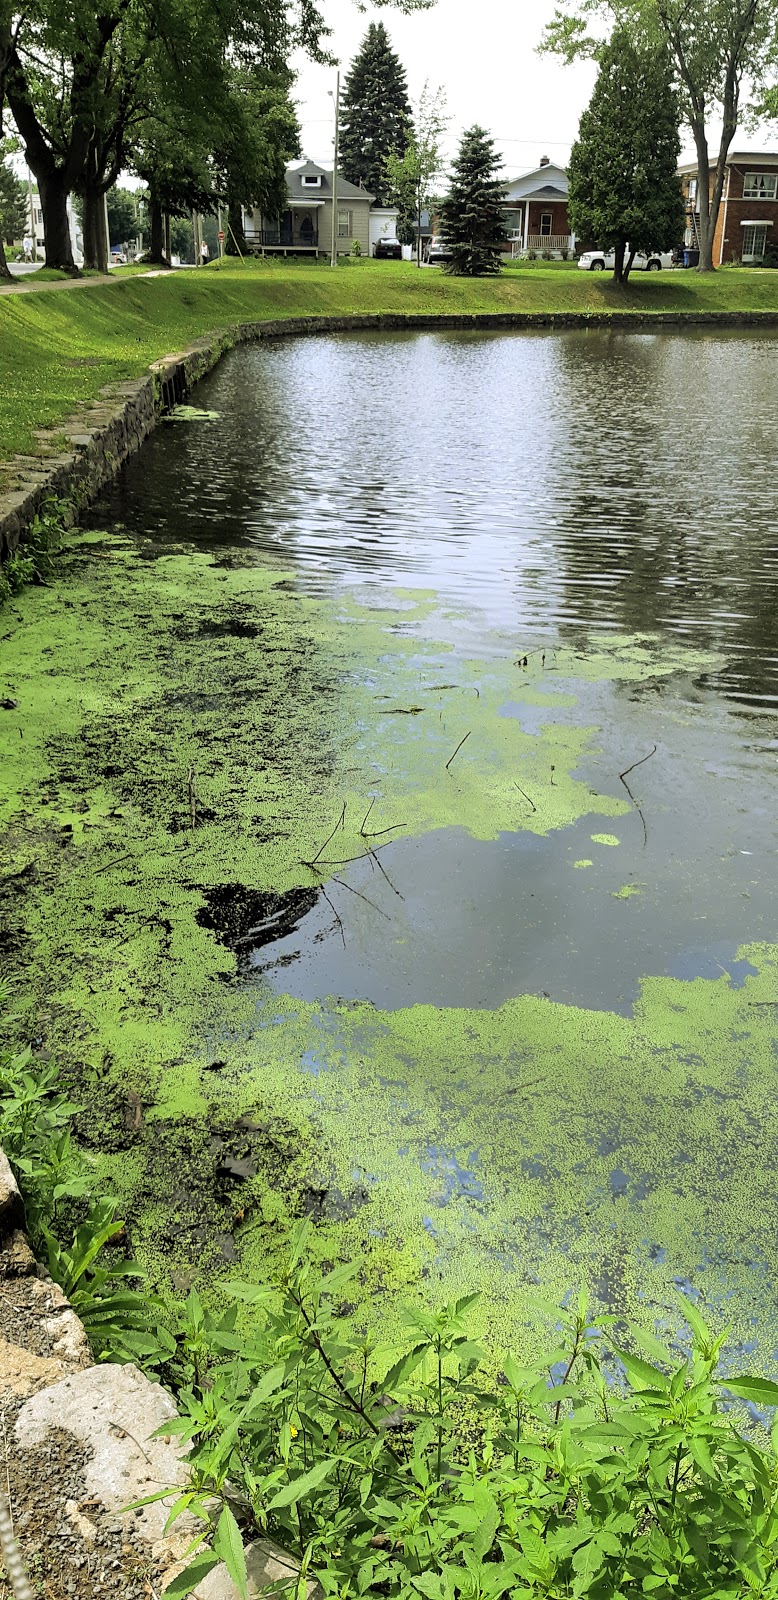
{"points": [[645, 261]]}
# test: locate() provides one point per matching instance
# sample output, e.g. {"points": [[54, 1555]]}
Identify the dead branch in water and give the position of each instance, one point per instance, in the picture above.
{"points": [[526, 796], [623, 779], [339, 824], [458, 748], [371, 852], [361, 896], [334, 913], [192, 792]]}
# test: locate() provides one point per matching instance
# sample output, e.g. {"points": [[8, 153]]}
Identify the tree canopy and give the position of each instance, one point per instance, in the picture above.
{"points": [[622, 172], [412, 174], [472, 212], [13, 204], [720, 50], [375, 113]]}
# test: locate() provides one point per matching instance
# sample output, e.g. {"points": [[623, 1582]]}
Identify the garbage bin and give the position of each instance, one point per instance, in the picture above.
{"points": [[691, 256]]}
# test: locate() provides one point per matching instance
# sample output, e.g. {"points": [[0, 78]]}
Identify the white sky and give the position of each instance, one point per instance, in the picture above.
{"points": [[484, 54]]}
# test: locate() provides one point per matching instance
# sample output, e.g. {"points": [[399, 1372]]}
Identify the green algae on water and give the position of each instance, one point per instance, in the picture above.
{"points": [[189, 727]]}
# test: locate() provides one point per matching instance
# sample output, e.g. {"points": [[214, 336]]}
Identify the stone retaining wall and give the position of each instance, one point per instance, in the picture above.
{"points": [[102, 436]]}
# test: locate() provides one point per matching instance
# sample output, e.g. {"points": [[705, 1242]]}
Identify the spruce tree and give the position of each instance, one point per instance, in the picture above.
{"points": [[13, 204], [472, 212], [624, 187], [375, 113]]}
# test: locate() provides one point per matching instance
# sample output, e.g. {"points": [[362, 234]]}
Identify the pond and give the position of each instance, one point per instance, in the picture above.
{"points": [[394, 819]]}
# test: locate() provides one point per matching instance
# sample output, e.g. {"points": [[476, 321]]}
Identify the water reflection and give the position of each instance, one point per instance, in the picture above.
{"points": [[553, 481]]}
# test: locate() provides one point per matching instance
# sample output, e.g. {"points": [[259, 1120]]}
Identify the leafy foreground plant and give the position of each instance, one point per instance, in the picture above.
{"points": [[35, 1118], [428, 1482], [36, 557]]}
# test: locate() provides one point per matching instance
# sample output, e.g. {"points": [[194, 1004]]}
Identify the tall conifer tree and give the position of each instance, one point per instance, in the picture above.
{"points": [[472, 212], [622, 174], [375, 113]]}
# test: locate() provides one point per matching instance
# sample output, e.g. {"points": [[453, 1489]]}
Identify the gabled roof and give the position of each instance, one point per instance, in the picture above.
{"points": [[309, 169], [548, 180]]}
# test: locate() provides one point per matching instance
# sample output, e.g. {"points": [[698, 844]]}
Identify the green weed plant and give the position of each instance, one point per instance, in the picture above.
{"points": [[597, 1472], [36, 1114], [35, 558]]}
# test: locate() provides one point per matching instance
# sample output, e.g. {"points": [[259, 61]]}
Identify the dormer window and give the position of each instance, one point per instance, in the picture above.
{"points": [[311, 180]]}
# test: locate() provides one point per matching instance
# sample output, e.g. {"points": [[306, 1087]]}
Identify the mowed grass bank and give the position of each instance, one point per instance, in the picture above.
{"points": [[59, 347]]}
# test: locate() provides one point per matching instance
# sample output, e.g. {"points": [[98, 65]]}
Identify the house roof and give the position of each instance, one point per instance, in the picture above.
{"points": [[548, 180], [309, 169], [751, 158]]}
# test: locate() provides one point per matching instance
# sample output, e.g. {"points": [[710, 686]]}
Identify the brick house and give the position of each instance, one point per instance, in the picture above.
{"points": [[535, 211], [748, 216]]}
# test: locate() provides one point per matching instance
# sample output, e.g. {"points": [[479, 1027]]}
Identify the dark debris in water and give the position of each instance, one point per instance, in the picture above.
{"points": [[245, 920]]}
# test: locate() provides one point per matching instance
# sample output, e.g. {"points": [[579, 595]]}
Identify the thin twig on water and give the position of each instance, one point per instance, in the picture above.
{"points": [[335, 915], [361, 896], [339, 824], [384, 872], [526, 796], [458, 748], [192, 792], [623, 779]]}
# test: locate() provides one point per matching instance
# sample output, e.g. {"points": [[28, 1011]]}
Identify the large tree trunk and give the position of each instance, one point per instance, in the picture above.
{"points": [[56, 224], [95, 236], [619, 276], [156, 251], [235, 243], [4, 273], [707, 219]]}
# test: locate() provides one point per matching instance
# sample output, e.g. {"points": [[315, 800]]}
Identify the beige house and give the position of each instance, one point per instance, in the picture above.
{"points": [[305, 227]]}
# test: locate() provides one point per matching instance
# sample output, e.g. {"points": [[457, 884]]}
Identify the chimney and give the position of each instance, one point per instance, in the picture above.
{"points": [[544, 161]]}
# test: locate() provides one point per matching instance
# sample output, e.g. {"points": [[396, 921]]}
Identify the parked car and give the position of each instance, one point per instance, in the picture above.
{"points": [[118, 258], [438, 250], [388, 250], [645, 261]]}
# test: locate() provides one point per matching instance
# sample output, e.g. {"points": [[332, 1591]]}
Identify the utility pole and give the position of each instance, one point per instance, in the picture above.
{"points": [[33, 229], [334, 255]]}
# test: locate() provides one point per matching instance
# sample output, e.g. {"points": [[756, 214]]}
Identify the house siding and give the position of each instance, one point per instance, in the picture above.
{"points": [[360, 215], [736, 211]]}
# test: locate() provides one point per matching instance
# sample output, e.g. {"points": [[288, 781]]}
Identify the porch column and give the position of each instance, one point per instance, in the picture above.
{"points": [[526, 223]]}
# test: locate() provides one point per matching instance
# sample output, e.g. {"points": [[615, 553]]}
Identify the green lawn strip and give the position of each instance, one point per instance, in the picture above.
{"points": [[58, 349]]}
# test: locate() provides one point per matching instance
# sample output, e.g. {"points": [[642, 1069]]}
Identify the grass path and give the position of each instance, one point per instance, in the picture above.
{"points": [[58, 350]]}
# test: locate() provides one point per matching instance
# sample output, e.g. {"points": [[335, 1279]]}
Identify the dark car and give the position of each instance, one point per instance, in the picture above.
{"points": [[388, 250]]}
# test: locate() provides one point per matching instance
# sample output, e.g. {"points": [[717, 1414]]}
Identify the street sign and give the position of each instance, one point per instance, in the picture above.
{"points": [[220, 235]]}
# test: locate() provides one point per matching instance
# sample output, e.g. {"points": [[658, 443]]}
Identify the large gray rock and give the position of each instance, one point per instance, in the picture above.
{"points": [[11, 1207], [116, 1412]]}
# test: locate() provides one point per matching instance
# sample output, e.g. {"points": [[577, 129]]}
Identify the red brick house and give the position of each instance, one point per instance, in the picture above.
{"points": [[535, 211], [748, 216]]}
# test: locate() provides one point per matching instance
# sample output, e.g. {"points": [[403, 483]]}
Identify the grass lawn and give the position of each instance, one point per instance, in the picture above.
{"points": [[58, 348]]}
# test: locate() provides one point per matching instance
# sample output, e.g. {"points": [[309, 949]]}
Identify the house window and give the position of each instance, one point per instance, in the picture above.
{"points": [[312, 182], [760, 185], [345, 224], [511, 221], [754, 241], [546, 224], [693, 192], [38, 215]]}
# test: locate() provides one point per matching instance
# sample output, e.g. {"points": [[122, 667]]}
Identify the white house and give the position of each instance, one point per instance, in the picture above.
{"points": [[536, 211]]}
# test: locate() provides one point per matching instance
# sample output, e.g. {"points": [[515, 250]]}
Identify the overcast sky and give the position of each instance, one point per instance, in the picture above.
{"points": [[484, 54]]}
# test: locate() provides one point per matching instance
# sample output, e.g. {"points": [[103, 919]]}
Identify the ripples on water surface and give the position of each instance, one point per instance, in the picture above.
{"points": [[554, 481]]}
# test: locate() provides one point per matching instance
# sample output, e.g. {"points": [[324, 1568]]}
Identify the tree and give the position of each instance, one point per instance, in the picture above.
{"points": [[79, 84], [622, 173], [412, 174], [716, 46], [375, 113], [471, 214], [122, 208], [13, 205]]}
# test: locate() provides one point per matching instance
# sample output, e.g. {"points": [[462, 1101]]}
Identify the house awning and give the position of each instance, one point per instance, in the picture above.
{"points": [[758, 222], [306, 204]]}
